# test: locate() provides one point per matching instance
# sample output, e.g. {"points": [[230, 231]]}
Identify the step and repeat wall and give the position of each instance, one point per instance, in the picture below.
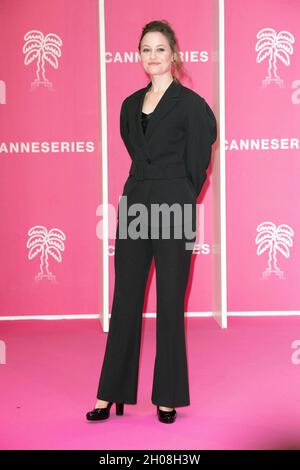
{"points": [[262, 155], [192, 22], [50, 170], [50, 149]]}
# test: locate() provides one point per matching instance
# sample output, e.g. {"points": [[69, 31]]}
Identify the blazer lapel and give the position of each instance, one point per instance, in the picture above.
{"points": [[166, 103]]}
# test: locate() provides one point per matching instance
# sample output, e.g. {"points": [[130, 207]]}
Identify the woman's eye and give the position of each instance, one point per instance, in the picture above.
{"points": [[160, 50]]}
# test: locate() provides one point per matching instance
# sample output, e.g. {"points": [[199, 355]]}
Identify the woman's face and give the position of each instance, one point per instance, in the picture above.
{"points": [[156, 54]]}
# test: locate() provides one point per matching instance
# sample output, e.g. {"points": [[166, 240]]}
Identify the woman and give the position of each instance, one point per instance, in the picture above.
{"points": [[168, 130]]}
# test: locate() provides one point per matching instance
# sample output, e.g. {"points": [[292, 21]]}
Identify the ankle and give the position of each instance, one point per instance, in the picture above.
{"points": [[101, 403], [165, 408]]}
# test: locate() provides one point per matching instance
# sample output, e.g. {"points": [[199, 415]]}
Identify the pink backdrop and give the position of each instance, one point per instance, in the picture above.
{"points": [[57, 189], [262, 184], [61, 188], [193, 27]]}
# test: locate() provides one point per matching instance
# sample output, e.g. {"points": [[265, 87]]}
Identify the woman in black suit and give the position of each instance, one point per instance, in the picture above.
{"points": [[168, 130]]}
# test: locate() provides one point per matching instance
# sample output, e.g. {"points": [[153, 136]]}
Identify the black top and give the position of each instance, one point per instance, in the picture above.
{"points": [[145, 119]]}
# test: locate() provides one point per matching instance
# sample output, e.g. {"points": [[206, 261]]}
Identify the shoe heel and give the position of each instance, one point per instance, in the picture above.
{"points": [[119, 408]]}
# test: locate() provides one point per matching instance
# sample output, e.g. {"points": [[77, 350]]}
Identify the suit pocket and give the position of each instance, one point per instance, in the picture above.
{"points": [[191, 187]]}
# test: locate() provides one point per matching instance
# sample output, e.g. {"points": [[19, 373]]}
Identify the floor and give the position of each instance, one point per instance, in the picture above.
{"points": [[244, 387]]}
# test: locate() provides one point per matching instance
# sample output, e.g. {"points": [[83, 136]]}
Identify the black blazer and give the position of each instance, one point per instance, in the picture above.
{"points": [[170, 160]]}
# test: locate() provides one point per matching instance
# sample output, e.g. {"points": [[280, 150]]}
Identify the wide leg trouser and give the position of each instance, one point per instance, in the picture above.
{"points": [[119, 375]]}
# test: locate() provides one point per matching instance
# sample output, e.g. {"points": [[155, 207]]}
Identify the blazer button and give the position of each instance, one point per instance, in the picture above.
{"points": [[148, 160]]}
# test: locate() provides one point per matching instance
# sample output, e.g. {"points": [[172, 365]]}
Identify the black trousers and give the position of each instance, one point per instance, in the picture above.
{"points": [[119, 375]]}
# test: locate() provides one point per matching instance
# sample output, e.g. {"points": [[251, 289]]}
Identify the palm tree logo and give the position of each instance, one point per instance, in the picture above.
{"points": [[274, 239], [275, 46], [44, 49], [47, 244]]}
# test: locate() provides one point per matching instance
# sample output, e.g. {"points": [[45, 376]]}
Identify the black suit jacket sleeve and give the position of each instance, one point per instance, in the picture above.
{"points": [[201, 134], [124, 128]]}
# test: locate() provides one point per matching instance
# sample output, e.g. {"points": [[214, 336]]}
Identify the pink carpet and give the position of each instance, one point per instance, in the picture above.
{"points": [[244, 388]]}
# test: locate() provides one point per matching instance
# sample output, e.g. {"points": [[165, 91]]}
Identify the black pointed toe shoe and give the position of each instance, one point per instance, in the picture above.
{"points": [[166, 416], [98, 414]]}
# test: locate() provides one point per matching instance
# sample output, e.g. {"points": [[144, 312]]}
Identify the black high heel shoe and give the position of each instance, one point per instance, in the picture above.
{"points": [[166, 416], [98, 414]]}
